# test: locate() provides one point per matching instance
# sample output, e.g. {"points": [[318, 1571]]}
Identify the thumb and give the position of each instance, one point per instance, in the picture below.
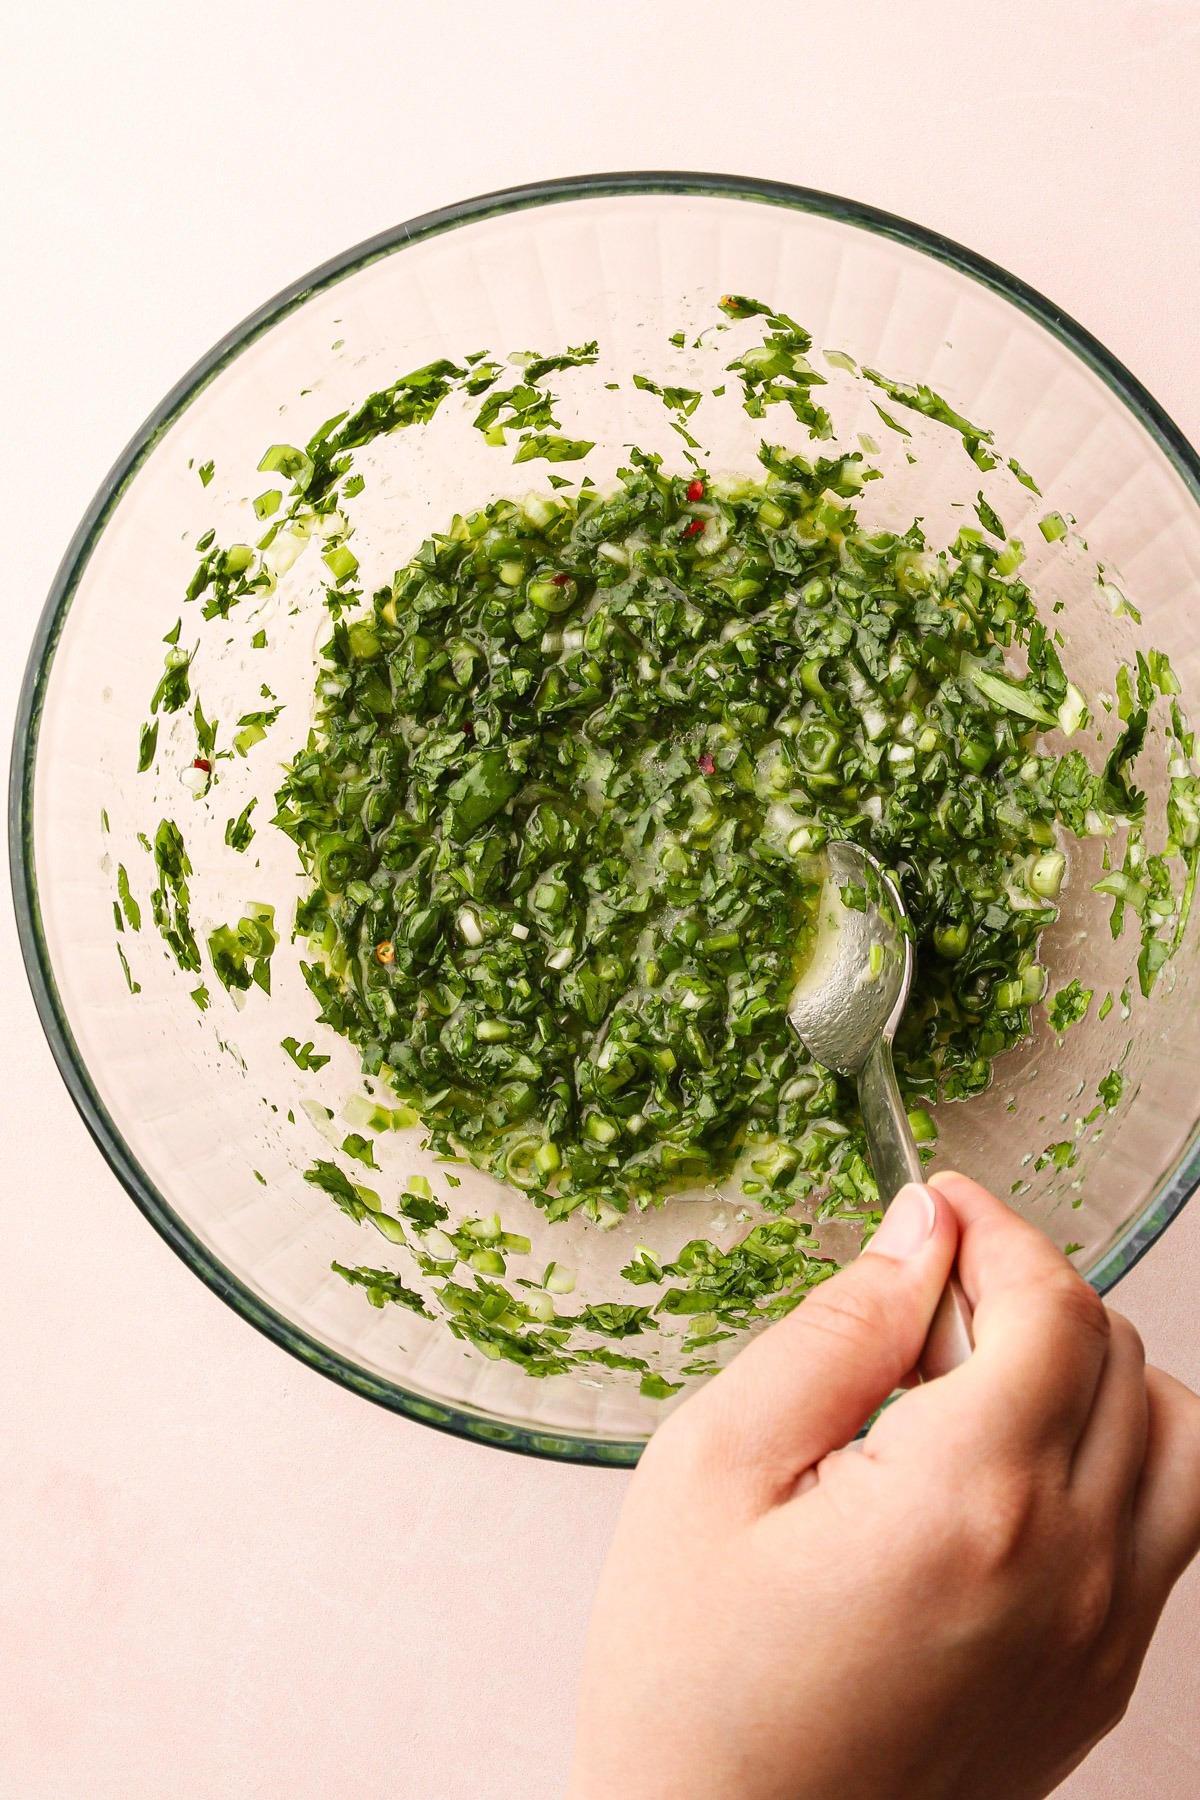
{"points": [[806, 1386]]}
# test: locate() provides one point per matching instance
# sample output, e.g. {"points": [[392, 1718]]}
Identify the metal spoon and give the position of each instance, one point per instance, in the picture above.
{"points": [[845, 1011]]}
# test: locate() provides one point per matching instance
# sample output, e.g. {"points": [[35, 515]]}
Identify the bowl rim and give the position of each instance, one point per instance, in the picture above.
{"points": [[461, 1421]]}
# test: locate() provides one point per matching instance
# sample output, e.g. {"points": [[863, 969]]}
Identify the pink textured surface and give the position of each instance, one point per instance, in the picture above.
{"points": [[219, 1575]]}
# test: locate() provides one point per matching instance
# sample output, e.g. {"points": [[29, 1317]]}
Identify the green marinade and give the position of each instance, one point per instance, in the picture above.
{"points": [[562, 813], [565, 798]]}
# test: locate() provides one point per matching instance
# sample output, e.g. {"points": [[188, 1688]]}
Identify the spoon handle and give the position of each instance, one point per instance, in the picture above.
{"points": [[895, 1161], [893, 1148]]}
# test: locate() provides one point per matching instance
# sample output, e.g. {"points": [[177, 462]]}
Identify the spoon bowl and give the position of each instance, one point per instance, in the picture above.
{"points": [[845, 1010], [855, 985]]}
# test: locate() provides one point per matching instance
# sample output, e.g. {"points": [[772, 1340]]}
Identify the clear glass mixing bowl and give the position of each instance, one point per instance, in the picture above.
{"points": [[191, 1109]]}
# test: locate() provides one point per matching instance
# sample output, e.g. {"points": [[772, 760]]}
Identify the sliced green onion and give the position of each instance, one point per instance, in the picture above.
{"points": [[1046, 875], [1073, 711], [1011, 697]]}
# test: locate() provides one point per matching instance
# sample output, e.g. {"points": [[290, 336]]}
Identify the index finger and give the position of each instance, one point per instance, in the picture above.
{"points": [[1041, 1333]]}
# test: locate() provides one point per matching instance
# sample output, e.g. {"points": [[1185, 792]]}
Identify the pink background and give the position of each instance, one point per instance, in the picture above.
{"points": [[219, 1574]]}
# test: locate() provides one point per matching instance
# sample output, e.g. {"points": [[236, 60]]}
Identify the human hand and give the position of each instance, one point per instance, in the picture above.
{"points": [[959, 1606]]}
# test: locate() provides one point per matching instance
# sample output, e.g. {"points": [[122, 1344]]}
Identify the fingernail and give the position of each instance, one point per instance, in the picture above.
{"points": [[907, 1224]]}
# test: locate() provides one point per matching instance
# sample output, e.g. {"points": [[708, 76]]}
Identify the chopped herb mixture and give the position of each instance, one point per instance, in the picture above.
{"points": [[241, 953], [565, 798], [562, 812], [1069, 1006]]}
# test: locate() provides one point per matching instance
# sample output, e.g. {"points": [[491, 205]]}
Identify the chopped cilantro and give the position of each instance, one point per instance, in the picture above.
{"points": [[253, 728], [1023, 476], [303, 1055], [129, 905], [206, 733], [383, 1288], [360, 1148], [1069, 1006], [1111, 1089], [1062, 1155], [241, 953], [174, 689], [169, 900], [551, 447], [355, 1202], [239, 832], [891, 421], [778, 371], [988, 518], [524, 906], [657, 1387], [923, 399]]}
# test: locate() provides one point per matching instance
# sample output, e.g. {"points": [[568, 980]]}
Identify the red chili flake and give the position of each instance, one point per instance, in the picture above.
{"points": [[202, 762], [467, 729], [560, 580], [695, 489], [693, 529], [705, 764]]}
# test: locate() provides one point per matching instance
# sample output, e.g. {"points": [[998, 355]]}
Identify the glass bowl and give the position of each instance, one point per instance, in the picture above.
{"points": [[203, 1116]]}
